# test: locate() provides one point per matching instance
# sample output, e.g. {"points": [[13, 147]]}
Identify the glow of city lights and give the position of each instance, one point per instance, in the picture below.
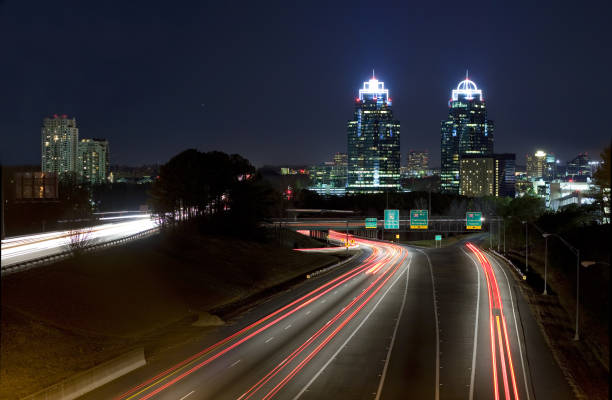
{"points": [[375, 87], [468, 88]]}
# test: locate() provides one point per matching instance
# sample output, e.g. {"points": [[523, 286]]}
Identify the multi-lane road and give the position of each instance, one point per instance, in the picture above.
{"points": [[394, 323], [24, 248]]}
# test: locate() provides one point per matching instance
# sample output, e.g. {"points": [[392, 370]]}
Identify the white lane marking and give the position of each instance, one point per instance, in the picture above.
{"points": [[473, 372], [308, 312], [234, 364], [335, 291], [288, 326], [305, 388], [399, 317], [435, 304], [323, 301], [518, 337], [269, 339], [187, 395]]}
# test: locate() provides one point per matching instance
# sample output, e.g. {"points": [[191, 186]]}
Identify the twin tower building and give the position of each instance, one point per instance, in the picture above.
{"points": [[374, 140]]}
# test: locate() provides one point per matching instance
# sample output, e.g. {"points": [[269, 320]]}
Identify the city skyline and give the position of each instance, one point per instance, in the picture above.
{"points": [[128, 95]]}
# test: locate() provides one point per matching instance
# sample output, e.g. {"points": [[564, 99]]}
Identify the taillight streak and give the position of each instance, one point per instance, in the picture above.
{"points": [[317, 349], [342, 279], [151, 382], [249, 393]]}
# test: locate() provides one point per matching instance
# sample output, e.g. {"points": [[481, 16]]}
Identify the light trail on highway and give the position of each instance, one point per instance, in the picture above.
{"points": [[25, 248], [374, 271], [500, 345]]}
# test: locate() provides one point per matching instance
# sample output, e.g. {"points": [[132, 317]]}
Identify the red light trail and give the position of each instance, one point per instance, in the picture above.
{"points": [[498, 333]]}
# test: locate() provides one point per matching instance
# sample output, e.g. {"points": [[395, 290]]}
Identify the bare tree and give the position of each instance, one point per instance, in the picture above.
{"points": [[79, 240]]}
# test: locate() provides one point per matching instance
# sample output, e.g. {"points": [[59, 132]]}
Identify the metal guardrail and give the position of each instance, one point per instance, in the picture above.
{"points": [[518, 271], [23, 265]]}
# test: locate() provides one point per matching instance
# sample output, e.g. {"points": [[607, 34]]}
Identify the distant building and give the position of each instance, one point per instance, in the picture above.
{"points": [[477, 176], [373, 142], [339, 172], [579, 166], [417, 163], [536, 164], [92, 161], [59, 141], [565, 193], [488, 175], [330, 178], [466, 131], [505, 172]]}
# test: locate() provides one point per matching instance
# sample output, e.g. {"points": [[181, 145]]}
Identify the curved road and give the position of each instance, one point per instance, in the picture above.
{"points": [[394, 323]]}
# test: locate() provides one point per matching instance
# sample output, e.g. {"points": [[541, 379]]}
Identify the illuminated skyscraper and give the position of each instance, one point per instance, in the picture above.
{"points": [[536, 165], [373, 142], [59, 141], [466, 131]]}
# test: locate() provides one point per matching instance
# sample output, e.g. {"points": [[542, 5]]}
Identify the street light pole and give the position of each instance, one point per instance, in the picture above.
{"points": [[577, 253], [576, 335], [504, 229], [545, 260], [526, 248]]}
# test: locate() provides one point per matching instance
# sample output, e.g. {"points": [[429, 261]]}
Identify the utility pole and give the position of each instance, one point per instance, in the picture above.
{"points": [[576, 335], [347, 242], [504, 224], [526, 247], [545, 261]]}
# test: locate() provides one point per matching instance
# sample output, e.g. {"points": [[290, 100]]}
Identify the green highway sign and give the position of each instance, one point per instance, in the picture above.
{"points": [[391, 219], [418, 219], [473, 220], [438, 237], [371, 223]]}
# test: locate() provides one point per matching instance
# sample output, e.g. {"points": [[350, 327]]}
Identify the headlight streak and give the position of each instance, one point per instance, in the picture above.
{"points": [[499, 322], [336, 282]]}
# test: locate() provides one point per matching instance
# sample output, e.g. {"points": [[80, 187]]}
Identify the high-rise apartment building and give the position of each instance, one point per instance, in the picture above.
{"points": [[418, 163], [492, 175], [373, 142], [92, 161], [59, 141], [466, 131]]}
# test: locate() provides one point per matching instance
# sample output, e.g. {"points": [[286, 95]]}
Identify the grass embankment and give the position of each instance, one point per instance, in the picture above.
{"points": [[60, 319], [587, 361]]}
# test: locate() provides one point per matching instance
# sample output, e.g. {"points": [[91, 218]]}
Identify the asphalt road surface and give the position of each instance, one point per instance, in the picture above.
{"points": [[24, 248], [394, 323]]}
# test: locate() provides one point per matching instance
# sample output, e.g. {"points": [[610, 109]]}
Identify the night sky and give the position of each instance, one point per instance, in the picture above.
{"points": [[275, 82]]}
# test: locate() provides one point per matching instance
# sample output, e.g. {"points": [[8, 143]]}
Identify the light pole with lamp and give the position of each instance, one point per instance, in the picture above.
{"points": [[545, 236], [577, 253], [526, 248]]}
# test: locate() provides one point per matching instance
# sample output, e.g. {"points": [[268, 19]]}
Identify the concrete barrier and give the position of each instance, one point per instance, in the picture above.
{"points": [[93, 378]]}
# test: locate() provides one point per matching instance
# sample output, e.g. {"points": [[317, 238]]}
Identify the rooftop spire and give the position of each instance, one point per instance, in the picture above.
{"points": [[373, 77], [466, 74]]}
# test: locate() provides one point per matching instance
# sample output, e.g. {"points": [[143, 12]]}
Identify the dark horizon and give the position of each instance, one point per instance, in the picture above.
{"points": [[276, 84]]}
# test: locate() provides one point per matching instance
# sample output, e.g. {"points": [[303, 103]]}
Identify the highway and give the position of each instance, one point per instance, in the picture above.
{"points": [[24, 248], [396, 322]]}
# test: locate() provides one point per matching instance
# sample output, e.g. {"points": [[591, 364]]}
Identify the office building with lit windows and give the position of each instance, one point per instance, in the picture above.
{"points": [[373, 142], [92, 161], [492, 175], [536, 165], [466, 131], [329, 178], [59, 142], [417, 163]]}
